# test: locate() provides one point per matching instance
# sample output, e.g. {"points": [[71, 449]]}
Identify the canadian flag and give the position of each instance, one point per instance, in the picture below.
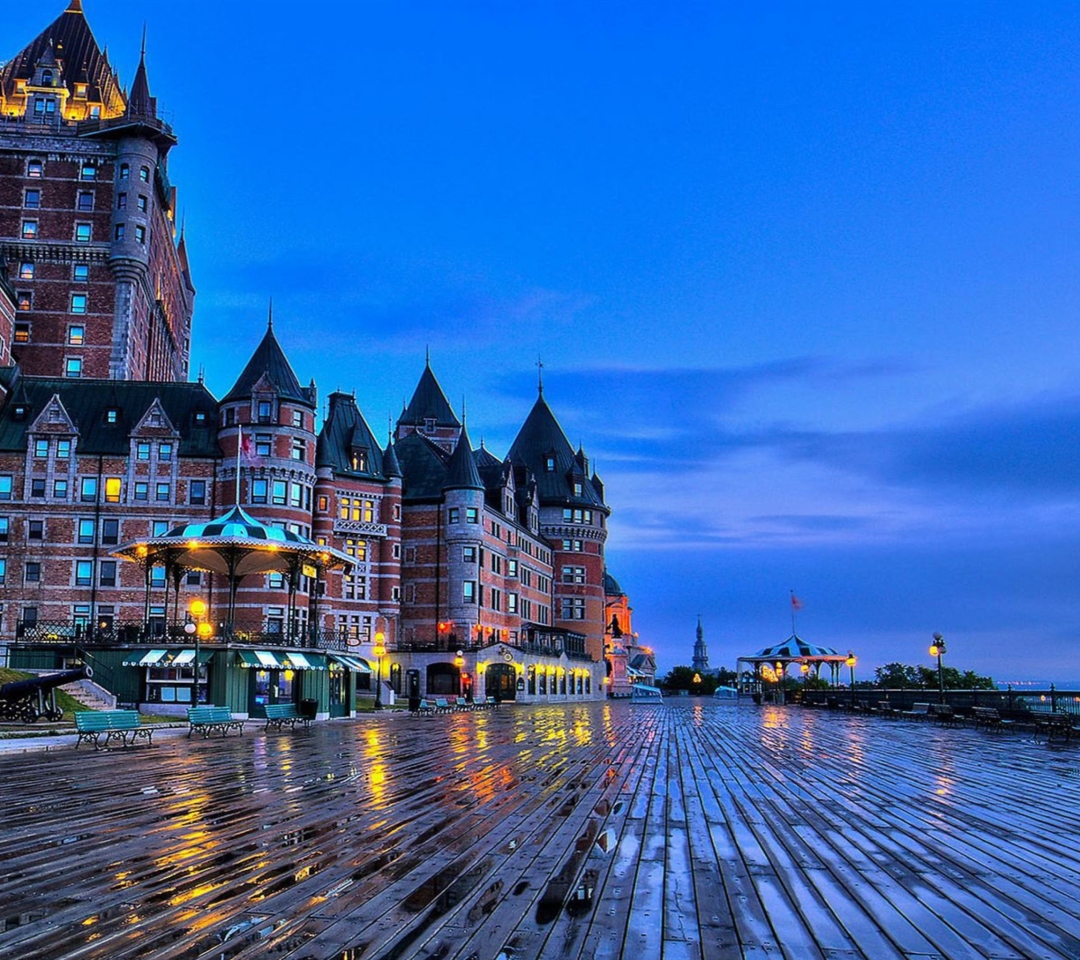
{"points": [[796, 603], [247, 448]]}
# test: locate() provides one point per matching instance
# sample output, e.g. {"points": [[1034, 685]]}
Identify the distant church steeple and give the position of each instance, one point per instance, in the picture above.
{"points": [[701, 653]]}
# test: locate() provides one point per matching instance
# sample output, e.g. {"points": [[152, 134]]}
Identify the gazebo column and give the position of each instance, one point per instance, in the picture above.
{"points": [[294, 584]]}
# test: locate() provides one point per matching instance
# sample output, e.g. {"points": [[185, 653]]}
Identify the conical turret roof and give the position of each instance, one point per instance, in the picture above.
{"points": [[428, 403], [346, 443], [542, 448], [140, 103], [461, 472], [269, 362]]}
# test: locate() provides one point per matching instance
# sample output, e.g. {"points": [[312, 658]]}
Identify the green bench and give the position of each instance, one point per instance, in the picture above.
{"points": [[208, 719], [101, 727], [279, 714]]}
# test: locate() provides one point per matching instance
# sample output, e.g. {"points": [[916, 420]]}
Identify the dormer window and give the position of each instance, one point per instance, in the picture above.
{"points": [[577, 488], [429, 425], [19, 411], [112, 415], [549, 464], [46, 78], [199, 418], [359, 460], [80, 90], [265, 411]]}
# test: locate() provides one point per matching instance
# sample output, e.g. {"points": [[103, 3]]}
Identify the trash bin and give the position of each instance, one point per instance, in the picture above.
{"points": [[309, 708]]}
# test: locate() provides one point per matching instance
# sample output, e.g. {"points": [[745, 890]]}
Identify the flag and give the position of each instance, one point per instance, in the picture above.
{"points": [[247, 448], [796, 603]]}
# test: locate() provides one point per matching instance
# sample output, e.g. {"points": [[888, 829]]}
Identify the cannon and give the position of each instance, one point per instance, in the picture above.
{"points": [[25, 700]]}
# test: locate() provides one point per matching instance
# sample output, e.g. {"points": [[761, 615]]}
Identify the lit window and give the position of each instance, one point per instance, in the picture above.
{"points": [[73, 367], [78, 303], [85, 200], [112, 489], [26, 271], [324, 504], [32, 199], [82, 233], [29, 229], [22, 332], [5, 487], [80, 272], [35, 169], [76, 335], [24, 300]]}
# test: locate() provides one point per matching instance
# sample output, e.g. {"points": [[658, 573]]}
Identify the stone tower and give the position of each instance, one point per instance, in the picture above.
{"points": [[701, 652]]}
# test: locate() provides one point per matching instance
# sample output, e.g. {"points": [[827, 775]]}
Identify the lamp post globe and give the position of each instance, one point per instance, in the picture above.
{"points": [[851, 661], [380, 652], [937, 648]]}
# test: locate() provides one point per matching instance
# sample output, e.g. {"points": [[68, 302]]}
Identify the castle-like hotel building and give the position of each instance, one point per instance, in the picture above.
{"points": [[461, 572]]}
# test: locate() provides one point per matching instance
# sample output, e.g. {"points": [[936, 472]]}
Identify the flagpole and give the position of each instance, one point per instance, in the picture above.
{"points": [[793, 631], [239, 447]]}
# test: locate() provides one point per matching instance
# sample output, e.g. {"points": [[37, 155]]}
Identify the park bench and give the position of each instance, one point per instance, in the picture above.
{"points": [[918, 711], [425, 708], [443, 705], [488, 703], [279, 714], [1057, 724], [101, 727], [989, 719], [887, 710], [208, 719], [944, 714]]}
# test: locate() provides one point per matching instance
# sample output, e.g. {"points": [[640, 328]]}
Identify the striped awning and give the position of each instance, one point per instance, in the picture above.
{"points": [[356, 664], [162, 657], [280, 660]]}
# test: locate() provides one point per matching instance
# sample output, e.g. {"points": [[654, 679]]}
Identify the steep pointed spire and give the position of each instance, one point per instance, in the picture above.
{"points": [[269, 362], [140, 103], [428, 403], [390, 465], [461, 472]]}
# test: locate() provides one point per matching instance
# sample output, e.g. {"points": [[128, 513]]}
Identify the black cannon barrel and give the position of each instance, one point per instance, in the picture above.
{"points": [[18, 689]]}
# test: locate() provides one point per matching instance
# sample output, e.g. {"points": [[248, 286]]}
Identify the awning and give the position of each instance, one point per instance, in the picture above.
{"points": [[167, 658], [279, 660], [356, 664]]}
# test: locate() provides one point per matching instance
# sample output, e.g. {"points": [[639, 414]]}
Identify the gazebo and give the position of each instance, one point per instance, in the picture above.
{"points": [[234, 545], [809, 656]]}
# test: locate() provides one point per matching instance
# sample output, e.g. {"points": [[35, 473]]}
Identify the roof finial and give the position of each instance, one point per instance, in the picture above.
{"points": [[427, 355], [270, 316], [540, 374], [463, 414], [142, 49]]}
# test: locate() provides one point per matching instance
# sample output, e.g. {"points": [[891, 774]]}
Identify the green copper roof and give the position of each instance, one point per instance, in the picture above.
{"points": [[269, 360], [347, 445], [428, 403]]}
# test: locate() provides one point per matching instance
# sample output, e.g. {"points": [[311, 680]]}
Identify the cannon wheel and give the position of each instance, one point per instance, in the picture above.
{"points": [[29, 713], [53, 715]]}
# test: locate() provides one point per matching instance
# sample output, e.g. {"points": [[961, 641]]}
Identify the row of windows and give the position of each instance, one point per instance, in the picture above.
{"points": [[35, 168], [83, 232], [472, 515], [80, 273], [83, 573], [24, 301], [88, 488], [264, 413], [86, 530], [281, 493], [577, 515]]}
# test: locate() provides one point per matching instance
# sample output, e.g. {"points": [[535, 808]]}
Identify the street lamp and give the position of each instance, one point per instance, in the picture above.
{"points": [[937, 648], [380, 652], [194, 627], [851, 661]]}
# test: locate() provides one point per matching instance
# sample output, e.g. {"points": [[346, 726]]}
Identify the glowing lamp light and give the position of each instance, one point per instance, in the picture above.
{"points": [[851, 661], [459, 659], [197, 608], [804, 668], [206, 630]]}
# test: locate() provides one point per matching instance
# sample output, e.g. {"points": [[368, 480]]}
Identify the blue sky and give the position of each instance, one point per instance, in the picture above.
{"points": [[803, 278]]}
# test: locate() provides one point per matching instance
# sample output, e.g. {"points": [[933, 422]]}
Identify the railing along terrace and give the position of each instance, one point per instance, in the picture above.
{"points": [[1010, 702]]}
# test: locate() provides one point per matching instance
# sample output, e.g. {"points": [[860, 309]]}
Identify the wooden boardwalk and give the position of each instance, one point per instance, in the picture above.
{"points": [[694, 831]]}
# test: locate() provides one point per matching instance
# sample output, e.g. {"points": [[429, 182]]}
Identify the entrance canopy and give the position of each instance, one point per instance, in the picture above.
{"points": [[279, 660]]}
